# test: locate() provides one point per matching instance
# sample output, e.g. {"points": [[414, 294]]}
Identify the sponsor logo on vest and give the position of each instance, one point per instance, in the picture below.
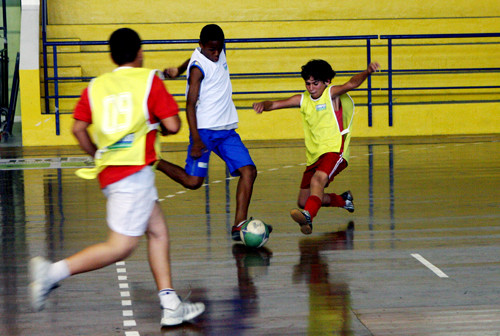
{"points": [[320, 107], [125, 142]]}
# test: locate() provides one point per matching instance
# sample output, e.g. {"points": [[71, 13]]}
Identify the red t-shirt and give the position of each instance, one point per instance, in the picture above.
{"points": [[161, 105]]}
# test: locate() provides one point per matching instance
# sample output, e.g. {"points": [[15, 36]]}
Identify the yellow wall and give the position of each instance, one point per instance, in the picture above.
{"points": [[259, 18], [147, 11]]}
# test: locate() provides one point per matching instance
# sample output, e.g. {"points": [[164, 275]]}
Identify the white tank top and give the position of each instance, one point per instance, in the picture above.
{"points": [[215, 108]]}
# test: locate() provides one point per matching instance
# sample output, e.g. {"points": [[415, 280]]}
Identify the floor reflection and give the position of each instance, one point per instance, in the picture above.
{"points": [[322, 284], [250, 263], [11, 195], [329, 294]]}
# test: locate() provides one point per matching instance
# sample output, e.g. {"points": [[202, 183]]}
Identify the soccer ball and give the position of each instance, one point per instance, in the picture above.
{"points": [[254, 233]]}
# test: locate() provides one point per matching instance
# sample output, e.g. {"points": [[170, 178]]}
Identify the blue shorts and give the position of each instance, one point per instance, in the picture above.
{"points": [[226, 144]]}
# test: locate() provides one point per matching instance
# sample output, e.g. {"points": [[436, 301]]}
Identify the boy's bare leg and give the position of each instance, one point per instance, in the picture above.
{"points": [[248, 174], [316, 188], [173, 310], [318, 182], [158, 249], [116, 248], [45, 275], [310, 200], [303, 196], [179, 175]]}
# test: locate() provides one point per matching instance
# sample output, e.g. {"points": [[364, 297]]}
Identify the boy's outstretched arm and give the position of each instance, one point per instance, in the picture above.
{"points": [[268, 105], [355, 80], [171, 73]]}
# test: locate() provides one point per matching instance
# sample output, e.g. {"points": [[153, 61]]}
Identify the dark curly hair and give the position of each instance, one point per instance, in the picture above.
{"points": [[318, 69]]}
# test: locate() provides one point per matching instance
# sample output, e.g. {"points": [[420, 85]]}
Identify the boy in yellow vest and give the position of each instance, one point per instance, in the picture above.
{"points": [[125, 108], [327, 113]]}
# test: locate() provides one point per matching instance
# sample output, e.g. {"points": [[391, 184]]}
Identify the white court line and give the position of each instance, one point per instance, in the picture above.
{"points": [[430, 266], [126, 313], [131, 333], [129, 323]]}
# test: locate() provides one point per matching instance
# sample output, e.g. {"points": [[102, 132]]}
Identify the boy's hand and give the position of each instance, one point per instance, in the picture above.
{"points": [[258, 107], [198, 149], [171, 73], [373, 67]]}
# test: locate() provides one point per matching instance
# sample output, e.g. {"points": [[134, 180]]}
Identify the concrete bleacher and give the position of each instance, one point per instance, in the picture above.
{"points": [[96, 20]]}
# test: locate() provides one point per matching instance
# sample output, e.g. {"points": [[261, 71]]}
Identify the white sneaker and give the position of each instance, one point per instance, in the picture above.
{"points": [[39, 286], [185, 311]]}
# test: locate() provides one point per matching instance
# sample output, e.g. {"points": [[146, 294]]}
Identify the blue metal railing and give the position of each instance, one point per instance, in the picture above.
{"points": [[391, 71], [4, 60], [55, 79]]}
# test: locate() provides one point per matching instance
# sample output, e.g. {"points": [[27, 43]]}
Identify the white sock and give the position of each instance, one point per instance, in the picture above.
{"points": [[58, 271], [168, 298]]}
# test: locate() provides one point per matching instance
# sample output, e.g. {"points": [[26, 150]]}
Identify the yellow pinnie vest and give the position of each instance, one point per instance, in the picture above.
{"points": [[322, 133], [120, 118]]}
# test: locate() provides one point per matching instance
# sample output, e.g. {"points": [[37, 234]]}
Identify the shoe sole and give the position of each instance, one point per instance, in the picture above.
{"points": [[168, 322], [35, 288], [171, 322], [301, 220]]}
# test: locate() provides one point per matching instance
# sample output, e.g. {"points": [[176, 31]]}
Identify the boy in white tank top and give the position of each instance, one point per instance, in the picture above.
{"points": [[212, 120]]}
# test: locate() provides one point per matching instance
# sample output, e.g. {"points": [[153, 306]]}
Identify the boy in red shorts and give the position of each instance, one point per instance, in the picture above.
{"points": [[327, 113]]}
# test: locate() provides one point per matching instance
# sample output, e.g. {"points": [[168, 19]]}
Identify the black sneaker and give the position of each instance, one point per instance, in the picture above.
{"points": [[347, 197], [235, 230]]}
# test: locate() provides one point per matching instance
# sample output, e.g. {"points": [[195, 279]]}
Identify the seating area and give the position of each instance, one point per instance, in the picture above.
{"points": [[421, 70]]}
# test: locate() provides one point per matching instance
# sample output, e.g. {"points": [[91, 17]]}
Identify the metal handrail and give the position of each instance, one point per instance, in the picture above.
{"points": [[4, 56], [390, 72], [55, 78]]}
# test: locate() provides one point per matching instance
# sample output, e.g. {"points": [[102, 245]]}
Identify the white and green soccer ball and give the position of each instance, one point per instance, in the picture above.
{"points": [[254, 233]]}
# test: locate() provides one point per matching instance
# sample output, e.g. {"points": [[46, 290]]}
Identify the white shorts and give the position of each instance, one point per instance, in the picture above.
{"points": [[130, 202]]}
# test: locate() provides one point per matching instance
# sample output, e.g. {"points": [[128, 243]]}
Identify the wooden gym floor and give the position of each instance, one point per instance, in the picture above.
{"points": [[419, 256]]}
